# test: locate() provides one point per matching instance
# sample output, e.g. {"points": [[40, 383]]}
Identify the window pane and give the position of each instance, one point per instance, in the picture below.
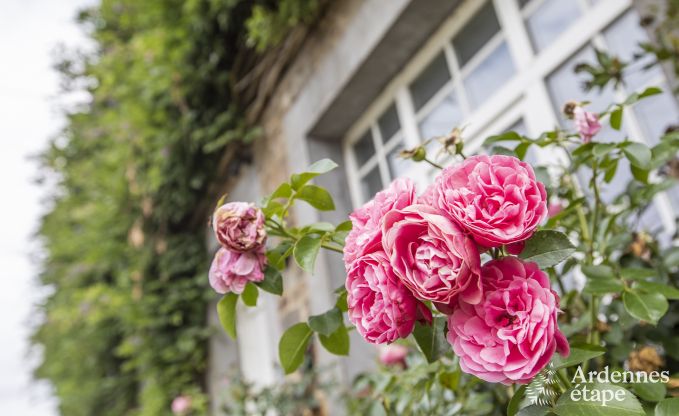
{"points": [[655, 114], [431, 80], [551, 19], [489, 75], [622, 39], [389, 123], [442, 119], [371, 183], [476, 33], [364, 149], [397, 165]]}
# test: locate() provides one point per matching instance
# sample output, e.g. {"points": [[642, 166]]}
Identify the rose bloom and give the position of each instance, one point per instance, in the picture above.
{"points": [[181, 405], [512, 333], [380, 306], [239, 226], [431, 254], [231, 270], [367, 220], [586, 122], [393, 354], [496, 198]]}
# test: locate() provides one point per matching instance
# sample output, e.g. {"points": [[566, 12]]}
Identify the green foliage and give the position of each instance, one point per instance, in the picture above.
{"points": [[124, 327], [270, 22]]}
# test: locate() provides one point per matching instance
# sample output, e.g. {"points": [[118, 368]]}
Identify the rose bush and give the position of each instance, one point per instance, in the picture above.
{"points": [[477, 270]]}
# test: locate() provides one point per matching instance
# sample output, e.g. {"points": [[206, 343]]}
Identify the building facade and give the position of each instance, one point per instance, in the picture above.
{"points": [[375, 77]]}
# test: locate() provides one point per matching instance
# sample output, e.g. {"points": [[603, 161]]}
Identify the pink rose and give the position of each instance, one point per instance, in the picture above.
{"points": [[587, 123], [496, 198], [239, 226], [393, 354], [380, 306], [231, 271], [367, 220], [512, 333], [431, 254], [181, 405]]}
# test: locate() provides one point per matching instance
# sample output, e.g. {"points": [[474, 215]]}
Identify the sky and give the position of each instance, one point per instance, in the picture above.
{"points": [[30, 30]]}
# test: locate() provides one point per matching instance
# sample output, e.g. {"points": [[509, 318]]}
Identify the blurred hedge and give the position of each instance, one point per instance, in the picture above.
{"points": [[123, 328]]}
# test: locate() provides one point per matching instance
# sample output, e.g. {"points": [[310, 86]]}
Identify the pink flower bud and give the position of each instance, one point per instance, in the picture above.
{"points": [[239, 226], [587, 123]]}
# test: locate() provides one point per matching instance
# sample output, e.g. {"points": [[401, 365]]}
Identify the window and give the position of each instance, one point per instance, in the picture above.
{"points": [[492, 67], [547, 19]]}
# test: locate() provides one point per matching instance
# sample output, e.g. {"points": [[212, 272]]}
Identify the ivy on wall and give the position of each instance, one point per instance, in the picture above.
{"points": [[123, 328]]}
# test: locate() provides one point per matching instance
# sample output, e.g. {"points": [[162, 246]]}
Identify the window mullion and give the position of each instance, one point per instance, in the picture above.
{"points": [[406, 115], [514, 30], [456, 74], [380, 155]]}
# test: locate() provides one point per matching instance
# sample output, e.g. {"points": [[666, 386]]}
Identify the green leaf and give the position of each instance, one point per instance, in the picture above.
{"points": [[602, 149], [616, 118], [250, 295], [293, 345], [598, 272], [547, 248], [650, 91], [535, 410], [326, 323], [431, 339], [651, 392], [649, 307], [337, 342], [603, 286], [344, 226], [317, 197], [510, 136], [567, 405], [639, 174], [638, 154], [226, 310], [318, 168], [637, 273], [305, 252], [671, 257], [579, 354], [284, 190], [667, 291], [610, 171], [342, 301], [273, 281], [513, 406], [668, 407], [522, 149], [450, 379]]}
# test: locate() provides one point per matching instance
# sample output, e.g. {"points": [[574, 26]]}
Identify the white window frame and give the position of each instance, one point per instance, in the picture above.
{"points": [[525, 90]]}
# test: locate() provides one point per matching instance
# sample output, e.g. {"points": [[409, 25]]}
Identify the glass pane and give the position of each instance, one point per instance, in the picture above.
{"points": [[476, 33], [371, 183], [623, 38], [489, 75], [442, 119], [389, 123], [397, 165], [551, 19], [364, 148], [656, 113], [431, 80]]}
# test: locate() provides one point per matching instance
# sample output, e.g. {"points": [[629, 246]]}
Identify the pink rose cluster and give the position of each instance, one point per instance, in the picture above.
{"points": [[239, 228], [404, 251]]}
